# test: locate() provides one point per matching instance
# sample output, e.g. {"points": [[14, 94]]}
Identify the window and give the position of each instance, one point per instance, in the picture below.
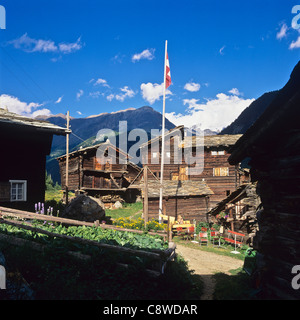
{"points": [[218, 153], [154, 155], [221, 172], [18, 190], [168, 154]]}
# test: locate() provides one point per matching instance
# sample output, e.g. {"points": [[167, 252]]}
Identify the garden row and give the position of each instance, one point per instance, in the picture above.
{"points": [[54, 231], [64, 261]]}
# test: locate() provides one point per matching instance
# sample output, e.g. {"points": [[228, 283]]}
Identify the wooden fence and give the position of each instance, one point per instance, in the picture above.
{"points": [[161, 257]]}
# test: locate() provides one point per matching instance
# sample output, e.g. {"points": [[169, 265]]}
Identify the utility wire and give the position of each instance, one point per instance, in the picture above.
{"points": [[25, 72], [77, 137], [18, 79]]}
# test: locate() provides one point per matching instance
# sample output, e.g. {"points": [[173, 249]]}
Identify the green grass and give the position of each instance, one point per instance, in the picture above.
{"points": [[226, 251], [235, 286], [56, 195], [133, 210]]}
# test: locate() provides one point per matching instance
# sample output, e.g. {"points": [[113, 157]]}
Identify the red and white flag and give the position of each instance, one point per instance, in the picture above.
{"points": [[168, 72]]}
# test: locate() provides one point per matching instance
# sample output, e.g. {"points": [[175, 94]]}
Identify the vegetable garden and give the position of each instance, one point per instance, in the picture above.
{"points": [[61, 260]]}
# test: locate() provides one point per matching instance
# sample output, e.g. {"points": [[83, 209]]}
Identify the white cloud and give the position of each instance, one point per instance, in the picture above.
{"points": [[295, 44], [58, 100], [30, 45], [192, 87], [235, 92], [146, 54], [214, 114], [282, 32], [101, 82], [153, 91], [13, 104], [70, 47], [79, 94], [96, 94], [221, 51], [79, 113], [41, 112], [110, 97], [127, 93]]}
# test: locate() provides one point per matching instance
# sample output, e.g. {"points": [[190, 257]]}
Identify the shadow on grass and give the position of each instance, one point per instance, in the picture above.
{"points": [[236, 286]]}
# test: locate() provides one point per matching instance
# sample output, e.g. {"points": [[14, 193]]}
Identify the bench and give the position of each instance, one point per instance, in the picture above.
{"points": [[237, 239]]}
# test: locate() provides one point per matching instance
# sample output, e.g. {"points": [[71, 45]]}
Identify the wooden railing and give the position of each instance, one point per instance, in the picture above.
{"points": [[160, 256]]}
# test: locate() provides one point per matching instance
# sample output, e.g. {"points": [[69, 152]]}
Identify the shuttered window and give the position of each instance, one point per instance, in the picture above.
{"points": [[221, 172]]}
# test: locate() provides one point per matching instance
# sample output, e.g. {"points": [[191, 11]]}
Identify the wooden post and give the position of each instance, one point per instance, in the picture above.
{"points": [[231, 217], [67, 159], [146, 206]]}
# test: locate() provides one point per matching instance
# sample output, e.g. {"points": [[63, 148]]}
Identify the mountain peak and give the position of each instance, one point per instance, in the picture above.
{"points": [[114, 112], [59, 115]]}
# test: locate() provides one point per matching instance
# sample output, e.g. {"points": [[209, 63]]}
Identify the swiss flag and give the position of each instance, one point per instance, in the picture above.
{"points": [[168, 73]]}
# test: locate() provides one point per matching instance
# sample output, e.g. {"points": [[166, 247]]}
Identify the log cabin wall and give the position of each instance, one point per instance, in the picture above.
{"points": [[277, 240], [273, 144], [97, 178], [193, 207], [74, 176], [27, 162], [24, 146], [221, 177]]}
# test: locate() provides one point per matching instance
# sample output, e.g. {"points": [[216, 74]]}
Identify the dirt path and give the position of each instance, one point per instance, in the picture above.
{"points": [[206, 264]]}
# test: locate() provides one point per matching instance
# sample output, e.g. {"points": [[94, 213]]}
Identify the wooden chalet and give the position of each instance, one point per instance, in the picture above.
{"points": [[190, 199], [24, 145], [273, 145], [107, 179], [219, 176]]}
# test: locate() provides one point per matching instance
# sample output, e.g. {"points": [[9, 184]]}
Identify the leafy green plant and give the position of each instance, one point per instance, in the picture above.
{"points": [[109, 236]]}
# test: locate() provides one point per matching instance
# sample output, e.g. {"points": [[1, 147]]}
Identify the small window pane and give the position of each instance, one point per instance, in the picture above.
{"points": [[18, 191]]}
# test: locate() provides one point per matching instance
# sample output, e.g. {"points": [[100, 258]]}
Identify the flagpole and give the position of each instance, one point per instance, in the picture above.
{"points": [[162, 141]]}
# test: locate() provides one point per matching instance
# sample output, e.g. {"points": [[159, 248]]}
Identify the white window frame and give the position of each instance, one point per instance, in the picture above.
{"points": [[218, 153], [24, 190]]}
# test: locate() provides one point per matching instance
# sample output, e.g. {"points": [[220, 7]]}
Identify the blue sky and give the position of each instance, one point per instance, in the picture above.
{"points": [[91, 57]]}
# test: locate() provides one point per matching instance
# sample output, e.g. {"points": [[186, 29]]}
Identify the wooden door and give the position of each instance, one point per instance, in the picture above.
{"points": [[183, 173]]}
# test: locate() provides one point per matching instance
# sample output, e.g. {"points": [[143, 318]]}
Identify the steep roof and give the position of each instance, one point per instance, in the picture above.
{"points": [[105, 144], [234, 197], [14, 119], [168, 133], [173, 188], [224, 140]]}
